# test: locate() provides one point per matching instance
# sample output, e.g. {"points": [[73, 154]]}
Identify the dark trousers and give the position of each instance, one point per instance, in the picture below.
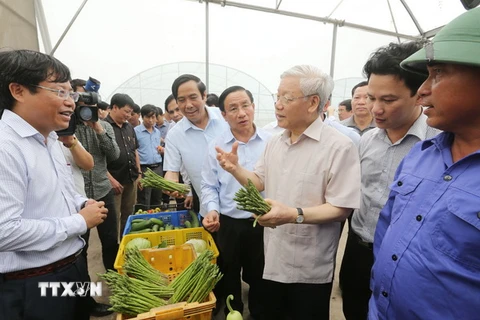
{"points": [[241, 249], [295, 301], [107, 232], [355, 277], [21, 300], [151, 196]]}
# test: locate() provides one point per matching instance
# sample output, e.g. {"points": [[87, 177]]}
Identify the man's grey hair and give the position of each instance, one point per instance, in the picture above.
{"points": [[312, 81]]}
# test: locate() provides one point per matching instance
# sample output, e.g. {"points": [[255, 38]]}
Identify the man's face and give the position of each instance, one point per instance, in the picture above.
{"points": [[149, 121], [291, 114], [343, 113], [191, 102], [174, 111], [49, 112], [159, 120], [391, 102], [102, 114], [451, 96], [121, 115], [239, 111], [134, 119], [359, 102]]}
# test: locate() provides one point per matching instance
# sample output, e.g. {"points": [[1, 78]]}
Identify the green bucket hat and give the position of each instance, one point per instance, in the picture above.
{"points": [[458, 42]]}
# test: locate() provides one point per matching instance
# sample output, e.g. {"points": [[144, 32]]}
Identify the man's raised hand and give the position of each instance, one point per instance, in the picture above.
{"points": [[228, 160]]}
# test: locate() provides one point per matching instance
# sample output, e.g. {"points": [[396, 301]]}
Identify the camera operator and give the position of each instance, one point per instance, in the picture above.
{"points": [[98, 138]]}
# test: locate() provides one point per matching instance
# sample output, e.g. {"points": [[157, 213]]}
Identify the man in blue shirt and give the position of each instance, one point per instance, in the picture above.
{"points": [[149, 152], [240, 244], [427, 240]]}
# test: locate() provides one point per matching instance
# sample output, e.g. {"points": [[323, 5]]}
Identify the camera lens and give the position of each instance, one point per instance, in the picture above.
{"points": [[85, 113]]}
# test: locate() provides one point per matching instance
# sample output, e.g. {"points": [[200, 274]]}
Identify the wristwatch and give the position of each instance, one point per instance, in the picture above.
{"points": [[300, 217]]}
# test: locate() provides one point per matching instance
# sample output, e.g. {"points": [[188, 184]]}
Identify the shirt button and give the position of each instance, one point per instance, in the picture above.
{"points": [[478, 215], [394, 257], [419, 217], [399, 183], [447, 177], [385, 294]]}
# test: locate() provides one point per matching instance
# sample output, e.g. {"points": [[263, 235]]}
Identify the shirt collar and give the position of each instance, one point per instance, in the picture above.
{"points": [[112, 122], [442, 141], [212, 116], [258, 134], [313, 131], [418, 128], [23, 128], [141, 127]]}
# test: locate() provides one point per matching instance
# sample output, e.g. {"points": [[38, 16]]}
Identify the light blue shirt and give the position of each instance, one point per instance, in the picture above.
{"points": [[147, 145], [163, 129], [39, 220], [188, 144], [218, 186], [349, 132]]}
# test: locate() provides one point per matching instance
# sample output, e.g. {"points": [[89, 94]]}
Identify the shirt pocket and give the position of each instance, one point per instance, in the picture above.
{"points": [[310, 189], [403, 190], [457, 232]]}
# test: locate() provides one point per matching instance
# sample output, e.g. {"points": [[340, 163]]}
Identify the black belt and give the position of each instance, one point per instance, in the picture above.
{"points": [[40, 271], [151, 166], [360, 241]]}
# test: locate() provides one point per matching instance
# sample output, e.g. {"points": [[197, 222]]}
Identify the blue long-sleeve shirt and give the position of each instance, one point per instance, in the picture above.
{"points": [[427, 241], [218, 186]]}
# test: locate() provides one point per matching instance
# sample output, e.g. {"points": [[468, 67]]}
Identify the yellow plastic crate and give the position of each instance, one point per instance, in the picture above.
{"points": [[172, 238], [178, 311], [172, 261]]}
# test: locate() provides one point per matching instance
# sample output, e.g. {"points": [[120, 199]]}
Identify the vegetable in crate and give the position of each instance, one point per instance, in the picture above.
{"points": [[139, 243], [233, 314], [137, 267], [132, 296], [249, 199], [153, 180], [199, 245], [196, 282]]}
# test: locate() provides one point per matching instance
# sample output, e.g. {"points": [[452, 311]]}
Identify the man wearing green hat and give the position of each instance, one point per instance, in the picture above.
{"points": [[427, 240]]}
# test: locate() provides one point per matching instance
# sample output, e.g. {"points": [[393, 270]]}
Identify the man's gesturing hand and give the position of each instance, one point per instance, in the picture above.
{"points": [[228, 160]]}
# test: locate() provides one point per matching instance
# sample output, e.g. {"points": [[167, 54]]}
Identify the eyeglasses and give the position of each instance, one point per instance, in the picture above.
{"points": [[285, 101], [235, 108], [64, 94]]}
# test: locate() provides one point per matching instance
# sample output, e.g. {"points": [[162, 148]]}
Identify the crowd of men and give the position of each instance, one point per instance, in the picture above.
{"points": [[401, 166]]}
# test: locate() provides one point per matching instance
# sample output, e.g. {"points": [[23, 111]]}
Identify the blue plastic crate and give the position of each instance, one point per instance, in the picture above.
{"points": [[175, 218]]}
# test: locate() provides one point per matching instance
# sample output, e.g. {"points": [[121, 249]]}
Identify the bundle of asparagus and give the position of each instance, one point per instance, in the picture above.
{"points": [[249, 199], [153, 180]]}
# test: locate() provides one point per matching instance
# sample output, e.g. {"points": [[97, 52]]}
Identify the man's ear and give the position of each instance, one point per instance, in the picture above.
{"points": [[314, 104], [18, 91], [325, 108]]}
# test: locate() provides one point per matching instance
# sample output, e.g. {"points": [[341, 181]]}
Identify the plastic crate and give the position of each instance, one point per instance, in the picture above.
{"points": [[178, 311], [175, 218], [171, 237], [171, 261]]}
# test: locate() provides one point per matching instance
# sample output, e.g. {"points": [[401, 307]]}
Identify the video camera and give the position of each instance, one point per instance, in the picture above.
{"points": [[85, 107]]}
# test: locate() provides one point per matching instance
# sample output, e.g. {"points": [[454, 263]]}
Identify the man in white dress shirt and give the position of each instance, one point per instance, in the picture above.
{"points": [[42, 215]]}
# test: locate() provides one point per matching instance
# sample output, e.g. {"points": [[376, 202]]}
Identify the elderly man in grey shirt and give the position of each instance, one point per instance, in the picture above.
{"points": [[392, 93]]}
